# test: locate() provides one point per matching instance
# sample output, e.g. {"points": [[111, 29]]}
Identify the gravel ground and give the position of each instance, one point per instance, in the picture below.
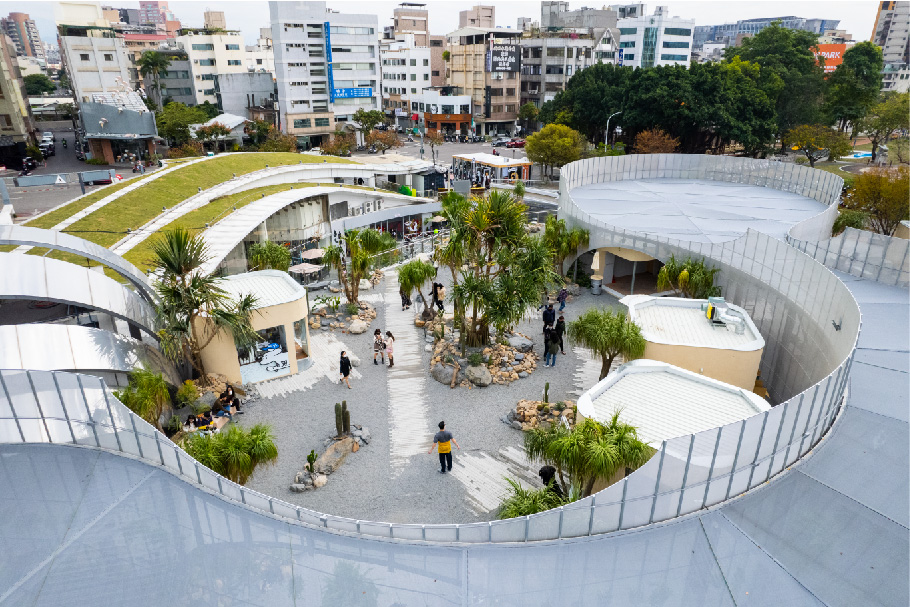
{"points": [[368, 486]]}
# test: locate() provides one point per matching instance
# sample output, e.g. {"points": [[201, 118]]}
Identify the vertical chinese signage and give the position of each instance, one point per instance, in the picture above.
{"points": [[328, 59]]}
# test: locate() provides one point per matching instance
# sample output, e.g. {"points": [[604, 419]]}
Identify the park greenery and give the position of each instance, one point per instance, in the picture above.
{"points": [[555, 145], [383, 140], [151, 65], [214, 132], [268, 255], [848, 218], [498, 269], [38, 84], [233, 453], [146, 395], [688, 278], [562, 240], [817, 142], [356, 257], [414, 276], [192, 307], [607, 334], [655, 141], [881, 195]]}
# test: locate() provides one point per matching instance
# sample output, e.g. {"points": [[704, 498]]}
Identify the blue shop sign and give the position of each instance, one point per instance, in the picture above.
{"points": [[353, 92]]}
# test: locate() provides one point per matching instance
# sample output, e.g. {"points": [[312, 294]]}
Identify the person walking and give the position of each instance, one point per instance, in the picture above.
{"points": [[390, 347], [345, 369], [560, 330], [551, 345], [405, 300], [544, 300], [439, 295], [549, 316], [443, 440], [378, 346], [561, 298]]}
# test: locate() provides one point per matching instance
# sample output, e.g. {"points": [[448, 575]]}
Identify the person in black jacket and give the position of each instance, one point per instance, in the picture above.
{"points": [[345, 369], [558, 332], [548, 477], [549, 316]]}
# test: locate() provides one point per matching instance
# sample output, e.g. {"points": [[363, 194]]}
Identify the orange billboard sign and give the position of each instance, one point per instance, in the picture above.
{"points": [[833, 54]]}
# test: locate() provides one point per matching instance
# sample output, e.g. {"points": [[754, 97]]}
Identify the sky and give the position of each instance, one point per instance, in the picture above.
{"points": [[857, 17]]}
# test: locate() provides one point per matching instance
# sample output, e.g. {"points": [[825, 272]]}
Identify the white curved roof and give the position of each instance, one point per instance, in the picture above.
{"points": [[269, 287]]}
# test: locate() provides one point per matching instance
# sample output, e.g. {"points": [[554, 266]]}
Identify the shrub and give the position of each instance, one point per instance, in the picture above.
{"points": [[146, 395], [352, 309], [233, 453], [583, 280], [187, 394], [848, 219], [475, 359], [187, 150], [522, 502], [96, 161], [34, 151], [801, 160], [560, 406]]}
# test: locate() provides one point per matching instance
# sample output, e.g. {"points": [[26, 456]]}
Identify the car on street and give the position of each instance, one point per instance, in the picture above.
{"points": [[499, 141], [102, 181], [48, 135], [47, 149], [516, 143]]}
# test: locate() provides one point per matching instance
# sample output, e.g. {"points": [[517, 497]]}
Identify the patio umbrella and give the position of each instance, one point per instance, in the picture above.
{"points": [[312, 254], [437, 219], [304, 268]]}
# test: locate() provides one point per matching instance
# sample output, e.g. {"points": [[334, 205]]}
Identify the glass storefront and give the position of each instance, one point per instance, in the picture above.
{"points": [[268, 359]]}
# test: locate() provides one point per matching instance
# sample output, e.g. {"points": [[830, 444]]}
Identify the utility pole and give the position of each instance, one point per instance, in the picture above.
{"points": [[607, 132]]}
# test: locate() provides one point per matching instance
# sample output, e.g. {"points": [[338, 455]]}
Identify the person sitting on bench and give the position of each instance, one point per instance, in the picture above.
{"points": [[230, 397]]}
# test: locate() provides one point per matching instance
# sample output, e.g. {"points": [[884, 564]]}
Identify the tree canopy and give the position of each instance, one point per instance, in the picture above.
{"points": [[881, 195], [38, 84], [817, 141], [174, 122], [607, 334], [368, 119], [268, 255], [151, 64], [891, 114], [555, 145], [853, 87]]}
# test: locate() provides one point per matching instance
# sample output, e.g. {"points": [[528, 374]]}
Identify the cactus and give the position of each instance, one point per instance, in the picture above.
{"points": [[546, 392], [310, 461], [338, 419], [347, 421]]}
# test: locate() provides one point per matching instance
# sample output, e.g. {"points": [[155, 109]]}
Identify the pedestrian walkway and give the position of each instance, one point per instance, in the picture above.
{"points": [[409, 425], [484, 475], [325, 351]]}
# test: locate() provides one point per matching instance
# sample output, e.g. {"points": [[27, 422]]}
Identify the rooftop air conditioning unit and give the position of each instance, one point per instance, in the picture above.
{"points": [[377, 204], [367, 207]]}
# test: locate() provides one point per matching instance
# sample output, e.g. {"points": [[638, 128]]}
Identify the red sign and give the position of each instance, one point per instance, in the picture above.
{"points": [[833, 54]]}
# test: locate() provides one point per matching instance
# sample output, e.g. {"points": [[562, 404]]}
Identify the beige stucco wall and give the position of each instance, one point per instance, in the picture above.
{"points": [[902, 231], [220, 356], [730, 366]]}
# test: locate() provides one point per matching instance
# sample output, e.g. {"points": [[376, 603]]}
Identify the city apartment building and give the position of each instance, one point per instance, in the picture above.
{"points": [[652, 40], [410, 18], [261, 56], [443, 111], [892, 34], [96, 59], [214, 20], [477, 16], [177, 82], [730, 33], [406, 73], [16, 123], [211, 54], [484, 64], [326, 67], [24, 33], [136, 44]]}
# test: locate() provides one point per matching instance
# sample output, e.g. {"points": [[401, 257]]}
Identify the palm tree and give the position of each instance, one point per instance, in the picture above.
{"points": [[146, 395], [413, 275], [362, 247], [233, 453], [193, 308], [607, 334], [590, 451], [563, 241], [153, 63], [688, 278], [268, 255]]}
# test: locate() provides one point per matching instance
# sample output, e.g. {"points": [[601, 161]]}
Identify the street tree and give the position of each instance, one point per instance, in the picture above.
{"points": [[817, 141], [414, 276], [174, 122], [891, 114], [899, 149], [268, 255], [563, 241], [555, 145], [434, 139], [193, 307], [258, 130], [214, 132], [340, 144], [276, 141], [655, 141], [38, 84], [528, 114], [589, 452], [882, 195], [688, 278], [607, 334], [367, 119], [362, 246], [853, 87], [383, 140], [151, 65]]}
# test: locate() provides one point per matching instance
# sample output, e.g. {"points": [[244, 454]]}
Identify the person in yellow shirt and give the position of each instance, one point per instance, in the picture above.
{"points": [[443, 440]]}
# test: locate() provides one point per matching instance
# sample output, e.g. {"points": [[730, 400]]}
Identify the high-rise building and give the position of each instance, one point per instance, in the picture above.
{"points": [[729, 33], [892, 34], [326, 66], [95, 59], [478, 16], [652, 40], [152, 11], [16, 122], [211, 54], [405, 75], [214, 20], [484, 63], [129, 15], [24, 33], [412, 18]]}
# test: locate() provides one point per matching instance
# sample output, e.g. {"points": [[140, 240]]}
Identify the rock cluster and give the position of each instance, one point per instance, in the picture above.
{"points": [[530, 414], [326, 321], [337, 450]]}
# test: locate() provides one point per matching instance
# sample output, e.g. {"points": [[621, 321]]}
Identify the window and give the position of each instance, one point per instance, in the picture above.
{"points": [[302, 123], [322, 121], [426, 76], [234, 62], [203, 47], [672, 57], [6, 120], [413, 90], [426, 63], [628, 57], [208, 76], [649, 44], [435, 42], [554, 69], [353, 49], [448, 109], [630, 44], [108, 56], [208, 62], [569, 52], [299, 102], [355, 66], [421, 107], [232, 47], [556, 52], [339, 29], [466, 109], [83, 56], [259, 62], [208, 92], [628, 31], [413, 77], [315, 51], [413, 62], [510, 108], [496, 92], [510, 92], [676, 45], [568, 70], [319, 90], [677, 31], [320, 109], [435, 73]]}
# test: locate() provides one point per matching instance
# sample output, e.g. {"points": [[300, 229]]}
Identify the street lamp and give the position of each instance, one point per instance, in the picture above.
{"points": [[607, 132]]}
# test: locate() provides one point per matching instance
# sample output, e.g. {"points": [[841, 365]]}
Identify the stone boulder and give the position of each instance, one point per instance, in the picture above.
{"points": [[357, 327], [365, 285], [443, 374], [333, 457], [299, 488], [479, 375], [319, 480], [522, 344], [573, 289], [355, 360]]}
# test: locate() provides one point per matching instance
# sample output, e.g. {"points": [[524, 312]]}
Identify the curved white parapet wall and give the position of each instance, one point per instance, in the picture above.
{"points": [[46, 279], [864, 254], [59, 241]]}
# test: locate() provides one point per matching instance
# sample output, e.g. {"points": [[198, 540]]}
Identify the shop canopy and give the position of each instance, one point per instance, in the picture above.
{"points": [[492, 160]]}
